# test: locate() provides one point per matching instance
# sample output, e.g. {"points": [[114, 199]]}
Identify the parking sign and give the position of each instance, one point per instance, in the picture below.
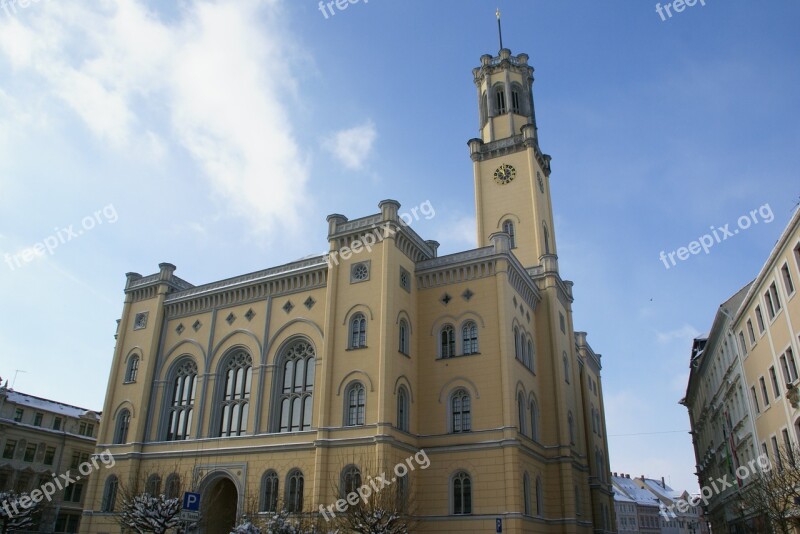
{"points": [[191, 502]]}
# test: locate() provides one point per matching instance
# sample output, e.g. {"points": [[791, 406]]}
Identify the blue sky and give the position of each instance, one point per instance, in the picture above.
{"points": [[218, 136]]}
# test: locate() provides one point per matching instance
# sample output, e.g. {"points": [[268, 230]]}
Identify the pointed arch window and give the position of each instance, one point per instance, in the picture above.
{"points": [[356, 396], [462, 494], [500, 99], [534, 420], [110, 494], [521, 412], [358, 331], [404, 337], [296, 397], [269, 491], [567, 371], [546, 237], [294, 491], [517, 348], [531, 356], [526, 493], [447, 342], [402, 409], [133, 369], [571, 426], [539, 498], [508, 227], [516, 98], [238, 372], [173, 486], [123, 423], [484, 108], [460, 411], [153, 485], [350, 481], [181, 406], [469, 337]]}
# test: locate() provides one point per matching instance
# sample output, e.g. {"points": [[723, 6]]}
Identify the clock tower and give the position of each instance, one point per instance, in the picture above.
{"points": [[512, 175]]}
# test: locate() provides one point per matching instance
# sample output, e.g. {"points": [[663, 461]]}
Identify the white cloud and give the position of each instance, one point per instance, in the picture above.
{"points": [[212, 83], [353, 146], [684, 334]]}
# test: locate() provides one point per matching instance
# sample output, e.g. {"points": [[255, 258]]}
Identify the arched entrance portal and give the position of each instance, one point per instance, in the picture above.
{"points": [[218, 506]]}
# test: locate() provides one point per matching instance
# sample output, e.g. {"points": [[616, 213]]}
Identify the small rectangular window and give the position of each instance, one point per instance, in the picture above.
{"points": [[759, 320], [562, 323], [773, 303], [37, 419], [742, 343], [8, 450], [405, 279], [57, 423], [777, 452], [18, 413], [788, 283], [751, 332], [30, 452], [764, 390], [774, 377], [49, 455], [755, 399], [792, 364]]}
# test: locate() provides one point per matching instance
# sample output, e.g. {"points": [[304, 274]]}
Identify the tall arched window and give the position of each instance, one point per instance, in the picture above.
{"points": [[546, 237], [294, 491], [516, 98], [469, 337], [508, 227], [571, 426], [402, 409], [521, 412], [517, 348], [531, 356], [462, 494], [356, 395], [236, 395], [526, 493], [132, 370], [269, 492], [567, 371], [447, 343], [500, 99], [110, 494], [297, 391], [181, 406], [350, 481], [539, 498], [173, 489], [404, 337], [460, 411], [358, 331], [484, 108], [534, 420], [153, 485], [123, 423]]}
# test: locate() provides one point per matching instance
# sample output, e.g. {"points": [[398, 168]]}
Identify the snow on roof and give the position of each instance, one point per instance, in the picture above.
{"points": [[619, 496], [639, 495], [46, 405], [656, 487]]}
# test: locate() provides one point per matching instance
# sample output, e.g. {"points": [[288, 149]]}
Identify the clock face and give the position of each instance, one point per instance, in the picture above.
{"points": [[504, 174]]}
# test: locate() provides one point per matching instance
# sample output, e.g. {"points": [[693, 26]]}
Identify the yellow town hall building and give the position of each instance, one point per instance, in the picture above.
{"points": [[266, 390]]}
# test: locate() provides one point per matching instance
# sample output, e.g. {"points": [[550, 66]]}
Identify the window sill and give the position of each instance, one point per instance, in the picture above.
{"points": [[457, 356], [404, 354], [356, 348]]}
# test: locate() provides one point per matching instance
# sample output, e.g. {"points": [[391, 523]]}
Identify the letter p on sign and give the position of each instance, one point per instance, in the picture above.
{"points": [[191, 501]]}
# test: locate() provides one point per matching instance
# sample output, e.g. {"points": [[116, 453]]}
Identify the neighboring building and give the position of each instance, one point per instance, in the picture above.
{"points": [[673, 519], [625, 510], [721, 422], [40, 437], [767, 326], [742, 396], [268, 386], [648, 507]]}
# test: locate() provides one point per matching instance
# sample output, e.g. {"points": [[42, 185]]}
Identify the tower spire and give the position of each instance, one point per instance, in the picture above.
{"points": [[499, 28]]}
